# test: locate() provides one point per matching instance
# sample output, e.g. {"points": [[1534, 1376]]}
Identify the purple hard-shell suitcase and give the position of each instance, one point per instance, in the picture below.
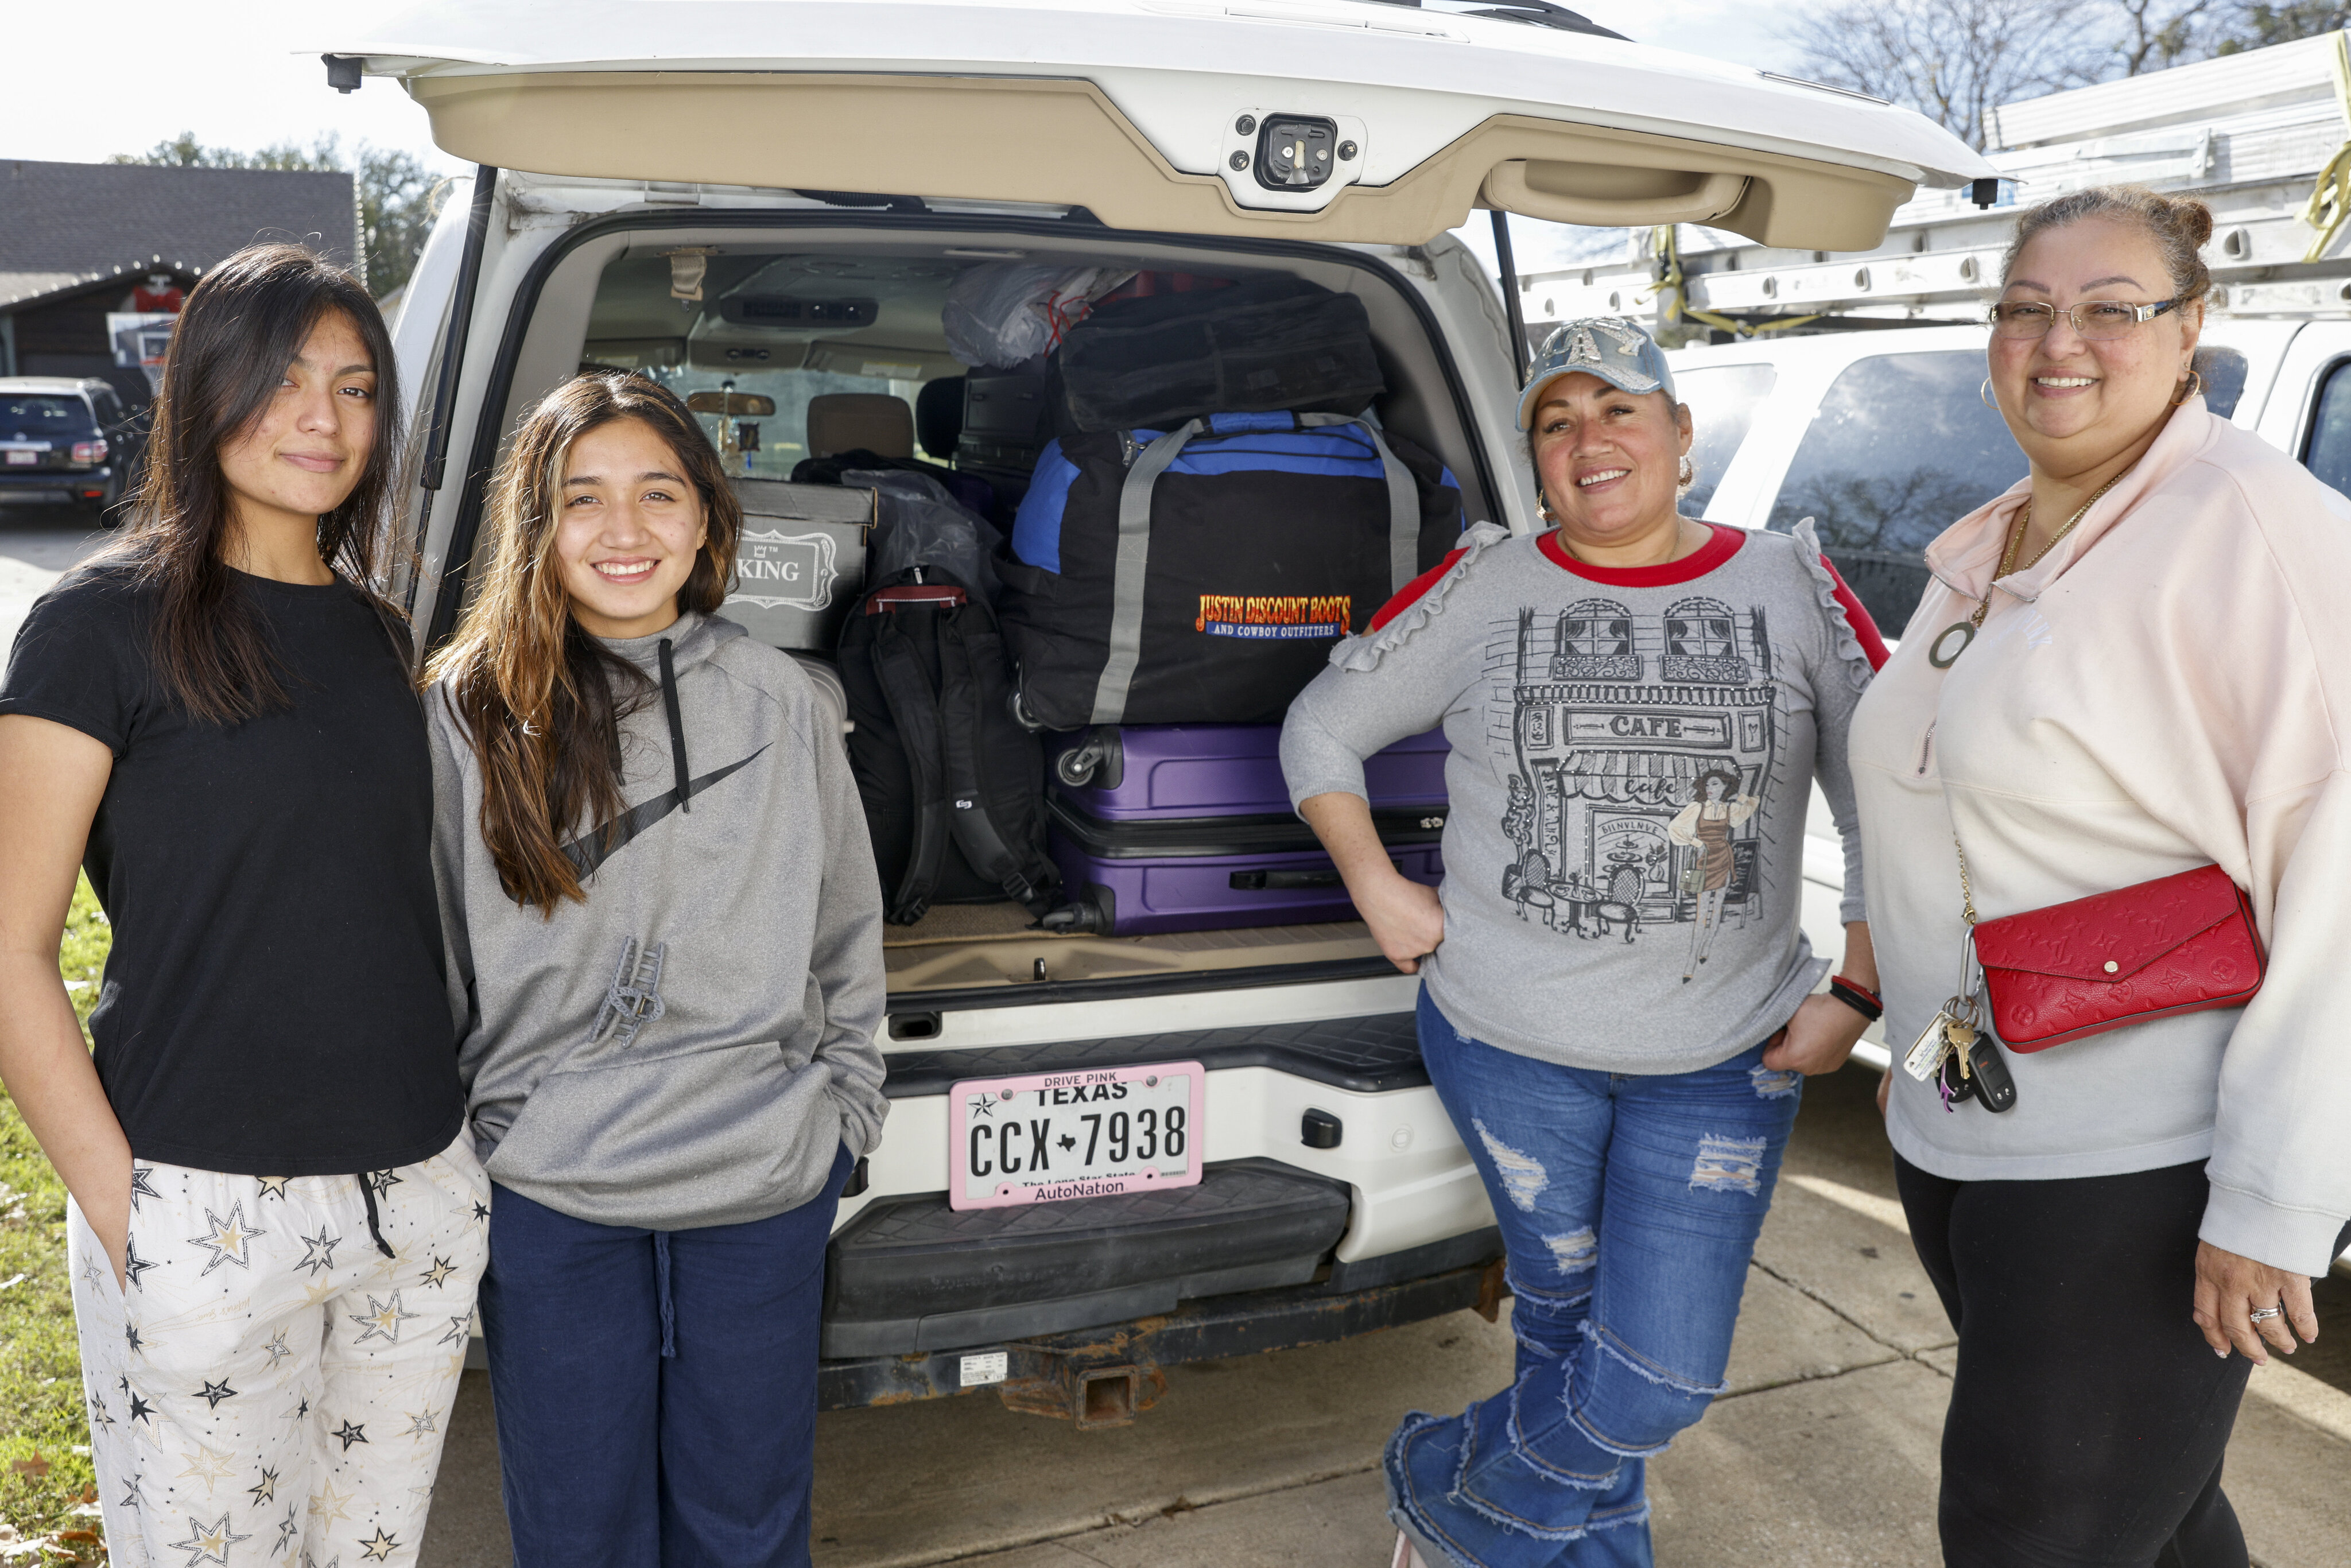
{"points": [[1188, 828], [1140, 772]]}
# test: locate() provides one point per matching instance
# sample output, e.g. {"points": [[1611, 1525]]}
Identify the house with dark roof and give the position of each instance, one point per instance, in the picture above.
{"points": [[78, 240]]}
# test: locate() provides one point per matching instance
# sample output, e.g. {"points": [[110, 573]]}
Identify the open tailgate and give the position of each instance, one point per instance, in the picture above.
{"points": [[1331, 120]]}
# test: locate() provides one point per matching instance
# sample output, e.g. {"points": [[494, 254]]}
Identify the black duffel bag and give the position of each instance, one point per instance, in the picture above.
{"points": [[954, 789], [1200, 575], [1268, 345]]}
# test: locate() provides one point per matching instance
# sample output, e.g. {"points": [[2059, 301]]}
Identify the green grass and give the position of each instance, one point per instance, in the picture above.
{"points": [[45, 1471]]}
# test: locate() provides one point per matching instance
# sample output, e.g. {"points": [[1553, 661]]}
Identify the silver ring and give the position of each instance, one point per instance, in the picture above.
{"points": [[2265, 1313]]}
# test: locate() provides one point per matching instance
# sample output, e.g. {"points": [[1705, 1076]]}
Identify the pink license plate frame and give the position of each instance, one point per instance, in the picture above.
{"points": [[980, 1110]]}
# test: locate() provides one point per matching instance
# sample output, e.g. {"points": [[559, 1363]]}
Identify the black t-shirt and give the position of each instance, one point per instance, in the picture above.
{"points": [[274, 1004]]}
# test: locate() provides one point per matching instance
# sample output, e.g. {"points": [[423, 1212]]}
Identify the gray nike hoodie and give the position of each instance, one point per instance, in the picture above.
{"points": [[694, 1044]]}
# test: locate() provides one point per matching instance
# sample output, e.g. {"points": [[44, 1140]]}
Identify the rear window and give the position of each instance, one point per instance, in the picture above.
{"points": [[1902, 447], [39, 417], [1722, 400], [2224, 372], [788, 327], [2328, 452]]}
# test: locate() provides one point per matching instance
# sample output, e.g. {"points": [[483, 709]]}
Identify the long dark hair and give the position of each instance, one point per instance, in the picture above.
{"points": [[541, 700], [240, 329]]}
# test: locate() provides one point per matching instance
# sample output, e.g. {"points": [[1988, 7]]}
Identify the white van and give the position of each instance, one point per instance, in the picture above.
{"points": [[639, 161]]}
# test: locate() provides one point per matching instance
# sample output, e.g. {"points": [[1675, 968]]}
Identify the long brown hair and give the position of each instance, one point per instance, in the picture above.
{"points": [[540, 698], [240, 329]]}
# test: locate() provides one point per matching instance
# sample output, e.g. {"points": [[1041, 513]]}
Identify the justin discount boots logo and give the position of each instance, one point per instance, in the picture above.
{"points": [[1284, 616]]}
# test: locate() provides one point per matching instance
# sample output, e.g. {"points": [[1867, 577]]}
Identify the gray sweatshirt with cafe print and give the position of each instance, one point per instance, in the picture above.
{"points": [[693, 1045], [1632, 755]]}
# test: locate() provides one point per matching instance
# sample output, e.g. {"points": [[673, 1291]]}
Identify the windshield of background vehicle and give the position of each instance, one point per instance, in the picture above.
{"points": [[1904, 446], [1722, 400]]}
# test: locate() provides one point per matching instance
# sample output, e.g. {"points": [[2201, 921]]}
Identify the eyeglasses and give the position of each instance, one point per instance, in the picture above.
{"points": [[2098, 320]]}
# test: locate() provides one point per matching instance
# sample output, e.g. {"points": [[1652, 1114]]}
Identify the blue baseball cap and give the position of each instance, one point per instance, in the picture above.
{"points": [[1615, 350]]}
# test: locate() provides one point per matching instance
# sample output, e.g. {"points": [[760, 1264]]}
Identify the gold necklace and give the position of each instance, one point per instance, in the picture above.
{"points": [[1942, 652]]}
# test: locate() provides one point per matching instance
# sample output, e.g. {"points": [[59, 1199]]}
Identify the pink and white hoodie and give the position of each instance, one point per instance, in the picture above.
{"points": [[2169, 687]]}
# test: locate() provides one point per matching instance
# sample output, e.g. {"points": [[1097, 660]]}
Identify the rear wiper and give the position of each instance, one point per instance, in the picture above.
{"points": [[1533, 13]]}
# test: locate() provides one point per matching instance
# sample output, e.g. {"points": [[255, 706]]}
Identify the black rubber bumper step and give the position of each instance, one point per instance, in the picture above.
{"points": [[913, 1274]]}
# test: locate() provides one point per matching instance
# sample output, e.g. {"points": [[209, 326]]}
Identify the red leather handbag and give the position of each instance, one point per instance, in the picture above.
{"points": [[2179, 943]]}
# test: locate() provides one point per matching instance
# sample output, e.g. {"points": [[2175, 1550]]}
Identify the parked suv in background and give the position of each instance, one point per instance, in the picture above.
{"points": [[65, 442], [765, 203]]}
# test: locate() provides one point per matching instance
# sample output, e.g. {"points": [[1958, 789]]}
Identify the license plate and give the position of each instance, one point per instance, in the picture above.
{"points": [[1088, 1134], [19, 458]]}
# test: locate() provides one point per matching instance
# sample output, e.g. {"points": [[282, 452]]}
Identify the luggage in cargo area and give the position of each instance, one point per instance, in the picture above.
{"points": [[802, 563], [1269, 344], [953, 789], [1161, 771], [1201, 575], [1188, 828]]}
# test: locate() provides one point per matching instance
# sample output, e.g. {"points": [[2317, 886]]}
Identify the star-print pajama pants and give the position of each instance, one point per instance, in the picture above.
{"points": [[272, 1385]]}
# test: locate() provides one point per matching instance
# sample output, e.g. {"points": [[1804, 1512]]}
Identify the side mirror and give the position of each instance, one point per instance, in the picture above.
{"points": [[750, 405]]}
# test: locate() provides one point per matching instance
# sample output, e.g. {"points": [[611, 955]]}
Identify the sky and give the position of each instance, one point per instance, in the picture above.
{"points": [[77, 92]]}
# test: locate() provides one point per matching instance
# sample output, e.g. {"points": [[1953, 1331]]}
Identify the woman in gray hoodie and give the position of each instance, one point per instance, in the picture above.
{"points": [[665, 963]]}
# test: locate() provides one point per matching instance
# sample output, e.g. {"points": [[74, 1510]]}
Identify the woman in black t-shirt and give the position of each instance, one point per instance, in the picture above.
{"points": [[277, 1228]]}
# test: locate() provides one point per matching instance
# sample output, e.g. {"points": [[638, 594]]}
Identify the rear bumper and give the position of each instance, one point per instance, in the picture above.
{"points": [[1102, 1376], [53, 486], [913, 1274], [1276, 1229]]}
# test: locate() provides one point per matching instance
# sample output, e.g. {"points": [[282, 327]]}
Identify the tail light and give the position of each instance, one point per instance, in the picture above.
{"points": [[90, 452]]}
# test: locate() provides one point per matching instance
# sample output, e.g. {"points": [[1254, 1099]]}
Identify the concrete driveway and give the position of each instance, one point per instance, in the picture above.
{"points": [[1824, 1452]]}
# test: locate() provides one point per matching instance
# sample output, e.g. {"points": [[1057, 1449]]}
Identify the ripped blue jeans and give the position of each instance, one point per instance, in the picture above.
{"points": [[1629, 1206]]}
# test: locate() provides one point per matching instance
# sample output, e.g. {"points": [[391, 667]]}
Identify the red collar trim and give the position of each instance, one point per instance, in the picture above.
{"points": [[1708, 556]]}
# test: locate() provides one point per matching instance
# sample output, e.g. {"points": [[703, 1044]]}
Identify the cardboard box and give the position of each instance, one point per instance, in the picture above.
{"points": [[802, 563]]}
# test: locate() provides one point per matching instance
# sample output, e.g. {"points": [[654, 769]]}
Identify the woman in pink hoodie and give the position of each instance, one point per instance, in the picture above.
{"points": [[2137, 663]]}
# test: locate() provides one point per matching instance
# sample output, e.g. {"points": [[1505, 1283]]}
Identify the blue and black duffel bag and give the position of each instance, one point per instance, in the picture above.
{"points": [[1201, 574]]}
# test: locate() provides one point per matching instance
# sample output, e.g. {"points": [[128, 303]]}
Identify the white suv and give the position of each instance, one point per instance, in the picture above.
{"points": [[640, 161]]}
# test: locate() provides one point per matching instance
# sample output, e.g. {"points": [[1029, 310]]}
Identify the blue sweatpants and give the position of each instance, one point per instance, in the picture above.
{"points": [[1629, 1206], [656, 1390]]}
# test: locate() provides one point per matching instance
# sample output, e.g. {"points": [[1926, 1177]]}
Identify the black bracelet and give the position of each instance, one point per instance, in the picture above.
{"points": [[1854, 996]]}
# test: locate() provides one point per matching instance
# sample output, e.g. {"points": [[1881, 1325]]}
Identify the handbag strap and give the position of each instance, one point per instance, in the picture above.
{"points": [[1967, 889]]}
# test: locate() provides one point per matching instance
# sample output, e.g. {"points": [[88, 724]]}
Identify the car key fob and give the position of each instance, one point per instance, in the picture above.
{"points": [[1995, 1086]]}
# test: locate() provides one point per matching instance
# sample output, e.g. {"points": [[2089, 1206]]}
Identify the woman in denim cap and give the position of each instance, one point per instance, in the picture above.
{"points": [[1616, 1001]]}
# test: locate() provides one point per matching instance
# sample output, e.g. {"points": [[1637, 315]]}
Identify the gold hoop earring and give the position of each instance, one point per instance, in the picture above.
{"points": [[1685, 474], [1984, 393], [2189, 388]]}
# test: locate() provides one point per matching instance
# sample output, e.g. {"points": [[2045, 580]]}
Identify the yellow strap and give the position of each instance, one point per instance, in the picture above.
{"points": [[1678, 308], [2330, 198]]}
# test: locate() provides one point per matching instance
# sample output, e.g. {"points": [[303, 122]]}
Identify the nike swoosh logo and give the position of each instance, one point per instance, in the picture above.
{"points": [[593, 848]]}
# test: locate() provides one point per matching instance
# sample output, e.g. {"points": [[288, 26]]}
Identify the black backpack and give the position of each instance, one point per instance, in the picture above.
{"points": [[953, 788]]}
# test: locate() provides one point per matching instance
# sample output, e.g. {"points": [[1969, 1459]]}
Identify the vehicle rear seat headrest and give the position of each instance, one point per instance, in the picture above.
{"points": [[938, 416], [847, 422]]}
